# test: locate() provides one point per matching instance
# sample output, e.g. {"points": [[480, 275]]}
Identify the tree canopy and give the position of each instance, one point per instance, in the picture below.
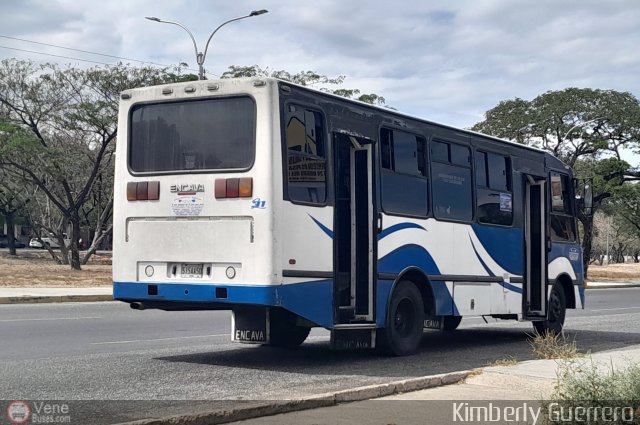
{"points": [[587, 128], [570, 123], [306, 78]]}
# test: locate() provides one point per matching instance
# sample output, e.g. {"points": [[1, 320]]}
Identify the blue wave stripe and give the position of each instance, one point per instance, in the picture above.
{"points": [[511, 287], [386, 232], [397, 227], [484, 265], [324, 228]]}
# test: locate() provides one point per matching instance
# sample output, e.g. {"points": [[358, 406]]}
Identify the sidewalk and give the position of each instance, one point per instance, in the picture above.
{"points": [[520, 386], [54, 295], [104, 293]]}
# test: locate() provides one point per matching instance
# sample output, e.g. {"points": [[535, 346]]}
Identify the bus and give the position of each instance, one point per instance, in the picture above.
{"points": [[294, 208]]}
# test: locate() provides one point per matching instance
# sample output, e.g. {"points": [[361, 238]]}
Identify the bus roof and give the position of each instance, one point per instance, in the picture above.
{"points": [[249, 81]]}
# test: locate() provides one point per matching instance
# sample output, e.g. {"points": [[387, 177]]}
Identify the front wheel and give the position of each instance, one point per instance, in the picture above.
{"points": [[557, 310], [405, 321]]}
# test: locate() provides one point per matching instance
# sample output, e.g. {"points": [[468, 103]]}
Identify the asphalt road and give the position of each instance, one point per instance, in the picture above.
{"points": [[106, 351]]}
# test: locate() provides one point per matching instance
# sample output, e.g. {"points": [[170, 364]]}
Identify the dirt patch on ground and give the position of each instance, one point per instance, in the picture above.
{"points": [[623, 272], [36, 269]]}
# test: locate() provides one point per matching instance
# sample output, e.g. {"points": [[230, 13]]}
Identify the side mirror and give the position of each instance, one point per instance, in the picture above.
{"points": [[584, 195], [588, 199]]}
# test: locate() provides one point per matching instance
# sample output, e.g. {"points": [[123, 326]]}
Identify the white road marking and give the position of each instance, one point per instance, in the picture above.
{"points": [[615, 309], [48, 318], [157, 339]]}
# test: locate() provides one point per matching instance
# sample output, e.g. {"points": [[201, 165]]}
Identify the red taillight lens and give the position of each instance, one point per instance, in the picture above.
{"points": [[143, 191], [221, 188], [132, 189], [234, 188]]}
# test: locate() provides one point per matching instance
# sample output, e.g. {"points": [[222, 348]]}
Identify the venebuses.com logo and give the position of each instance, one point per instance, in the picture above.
{"points": [[37, 412], [18, 412]]}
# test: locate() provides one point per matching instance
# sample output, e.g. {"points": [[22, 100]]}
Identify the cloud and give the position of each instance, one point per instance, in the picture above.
{"points": [[441, 60]]}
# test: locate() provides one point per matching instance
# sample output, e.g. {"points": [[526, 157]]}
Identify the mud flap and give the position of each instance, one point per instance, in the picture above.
{"points": [[434, 322], [250, 325], [353, 339]]}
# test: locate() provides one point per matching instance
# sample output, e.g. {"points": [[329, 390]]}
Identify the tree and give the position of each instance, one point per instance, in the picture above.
{"points": [[305, 78], [569, 123], [67, 121], [586, 128], [12, 202]]}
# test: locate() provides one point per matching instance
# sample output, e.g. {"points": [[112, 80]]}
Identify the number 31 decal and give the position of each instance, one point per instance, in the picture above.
{"points": [[258, 203]]}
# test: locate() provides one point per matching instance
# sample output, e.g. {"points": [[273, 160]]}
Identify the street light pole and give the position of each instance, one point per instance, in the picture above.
{"points": [[201, 56], [576, 126]]}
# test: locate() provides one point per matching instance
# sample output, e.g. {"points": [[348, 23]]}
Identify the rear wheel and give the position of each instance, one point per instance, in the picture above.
{"points": [[283, 330], [557, 310], [451, 323], [405, 321]]}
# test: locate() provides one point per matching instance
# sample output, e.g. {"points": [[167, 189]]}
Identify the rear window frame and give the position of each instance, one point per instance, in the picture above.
{"points": [[136, 105]]}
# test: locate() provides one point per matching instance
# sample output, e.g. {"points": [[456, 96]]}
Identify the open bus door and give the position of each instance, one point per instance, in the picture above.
{"points": [[535, 240], [355, 241]]}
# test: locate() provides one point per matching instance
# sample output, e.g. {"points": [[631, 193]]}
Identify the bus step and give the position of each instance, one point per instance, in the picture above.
{"points": [[350, 337], [346, 313]]}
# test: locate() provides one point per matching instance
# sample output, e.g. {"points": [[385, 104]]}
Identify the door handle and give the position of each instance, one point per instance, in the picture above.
{"points": [[379, 222]]}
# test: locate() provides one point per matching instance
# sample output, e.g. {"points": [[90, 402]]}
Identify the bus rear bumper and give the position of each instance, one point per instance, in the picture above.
{"points": [[311, 300]]}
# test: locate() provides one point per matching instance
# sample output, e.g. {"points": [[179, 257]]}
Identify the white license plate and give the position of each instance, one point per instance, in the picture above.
{"points": [[191, 270]]}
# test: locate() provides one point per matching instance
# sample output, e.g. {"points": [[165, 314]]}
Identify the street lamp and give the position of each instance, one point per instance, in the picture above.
{"points": [[200, 56], [578, 125]]}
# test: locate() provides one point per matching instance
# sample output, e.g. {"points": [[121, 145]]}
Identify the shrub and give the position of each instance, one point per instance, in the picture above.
{"points": [[589, 393], [553, 346]]}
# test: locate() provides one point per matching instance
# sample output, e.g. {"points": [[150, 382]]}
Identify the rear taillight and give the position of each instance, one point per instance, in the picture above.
{"points": [[234, 188], [143, 191]]}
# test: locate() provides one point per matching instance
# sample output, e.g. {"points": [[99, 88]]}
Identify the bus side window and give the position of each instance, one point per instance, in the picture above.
{"points": [[493, 189], [451, 175], [306, 160], [562, 222], [405, 188]]}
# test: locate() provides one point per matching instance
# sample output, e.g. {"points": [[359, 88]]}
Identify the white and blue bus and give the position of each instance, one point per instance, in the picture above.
{"points": [[294, 208]]}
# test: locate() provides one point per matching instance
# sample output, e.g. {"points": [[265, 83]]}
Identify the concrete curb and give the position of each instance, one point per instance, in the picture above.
{"points": [[615, 286], [55, 299], [269, 408]]}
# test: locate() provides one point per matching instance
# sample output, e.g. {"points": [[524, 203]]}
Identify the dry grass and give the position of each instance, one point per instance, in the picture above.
{"points": [[507, 361], [37, 269], [624, 271], [553, 346]]}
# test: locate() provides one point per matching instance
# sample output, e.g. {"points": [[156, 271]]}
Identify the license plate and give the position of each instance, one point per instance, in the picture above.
{"points": [[191, 270]]}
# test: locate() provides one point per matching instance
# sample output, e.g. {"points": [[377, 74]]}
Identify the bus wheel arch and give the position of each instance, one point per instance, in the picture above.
{"points": [[569, 289], [410, 296], [556, 311], [421, 281]]}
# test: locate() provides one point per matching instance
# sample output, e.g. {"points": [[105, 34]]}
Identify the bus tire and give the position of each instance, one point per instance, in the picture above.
{"points": [[405, 321], [557, 310], [451, 323], [283, 332]]}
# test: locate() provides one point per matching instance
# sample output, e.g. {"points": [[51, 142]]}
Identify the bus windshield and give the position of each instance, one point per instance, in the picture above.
{"points": [[195, 135]]}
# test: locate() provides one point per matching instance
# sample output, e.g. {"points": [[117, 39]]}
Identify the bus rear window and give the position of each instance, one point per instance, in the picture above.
{"points": [[208, 134]]}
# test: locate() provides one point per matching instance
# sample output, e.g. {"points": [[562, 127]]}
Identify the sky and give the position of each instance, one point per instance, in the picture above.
{"points": [[446, 61]]}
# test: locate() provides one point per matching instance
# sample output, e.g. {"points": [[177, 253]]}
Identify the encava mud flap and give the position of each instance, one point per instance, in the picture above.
{"points": [[250, 325]]}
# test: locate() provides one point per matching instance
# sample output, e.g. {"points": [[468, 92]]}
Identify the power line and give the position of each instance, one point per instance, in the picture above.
{"points": [[56, 56], [76, 50], [80, 50]]}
